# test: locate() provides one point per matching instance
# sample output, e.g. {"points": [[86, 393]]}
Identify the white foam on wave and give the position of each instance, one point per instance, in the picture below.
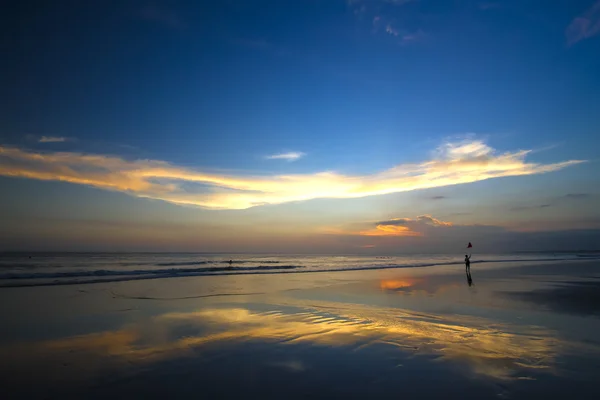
{"points": [[22, 279]]}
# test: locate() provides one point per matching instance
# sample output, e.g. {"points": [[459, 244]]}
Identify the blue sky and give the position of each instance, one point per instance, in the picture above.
{"points": [[163, 118]]}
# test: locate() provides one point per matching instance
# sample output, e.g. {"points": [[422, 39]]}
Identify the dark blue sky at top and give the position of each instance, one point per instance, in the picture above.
{"points": [[220, 84]]}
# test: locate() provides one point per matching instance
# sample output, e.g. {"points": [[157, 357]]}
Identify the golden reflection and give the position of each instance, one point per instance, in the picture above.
{"points": [[418, 286], [488, 349], [395, 284]]}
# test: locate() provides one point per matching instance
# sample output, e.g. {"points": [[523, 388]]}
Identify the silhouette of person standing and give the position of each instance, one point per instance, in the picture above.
{"points": [[467, 261], [230, 262]]}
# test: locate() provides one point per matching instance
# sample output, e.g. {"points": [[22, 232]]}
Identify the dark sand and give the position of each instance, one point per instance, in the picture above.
{"points": [[518, 332]]}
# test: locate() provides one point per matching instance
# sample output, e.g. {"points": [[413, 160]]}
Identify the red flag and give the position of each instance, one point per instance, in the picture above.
{"points": [[469, 246]]}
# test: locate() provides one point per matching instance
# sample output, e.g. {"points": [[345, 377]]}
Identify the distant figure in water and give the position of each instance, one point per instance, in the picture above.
{"points": [[467, 261], [230, 262]]}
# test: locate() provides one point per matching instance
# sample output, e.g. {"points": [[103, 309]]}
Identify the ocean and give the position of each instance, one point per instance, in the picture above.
{"points": [[43, 269]]}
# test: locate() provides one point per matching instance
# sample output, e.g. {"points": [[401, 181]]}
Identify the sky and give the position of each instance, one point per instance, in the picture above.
{"points": [[301, 126]]}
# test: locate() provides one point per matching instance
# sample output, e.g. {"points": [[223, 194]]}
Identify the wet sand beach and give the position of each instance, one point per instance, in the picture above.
{"points": [[514, 330]]}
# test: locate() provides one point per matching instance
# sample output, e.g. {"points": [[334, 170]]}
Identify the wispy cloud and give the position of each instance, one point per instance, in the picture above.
{"points": [[413, 37], [459, 214], [525, 208], [389, 29], [404, 38], [422, 219], [385, 19], [584, 26], [404, 226], [381, 13], [438, 197], [390, 230], [578, 196], [401, 227], [453, 163], [408, 234], [291, 156], [162, 16], [52, 139]]}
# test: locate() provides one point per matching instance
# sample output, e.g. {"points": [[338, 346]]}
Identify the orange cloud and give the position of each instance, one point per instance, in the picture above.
{"points": [[425, 219], [390, 230], [453, 163], [404, 226]]}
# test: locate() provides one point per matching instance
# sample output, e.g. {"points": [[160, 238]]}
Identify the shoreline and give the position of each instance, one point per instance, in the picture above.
{"points": [[124, 275]]}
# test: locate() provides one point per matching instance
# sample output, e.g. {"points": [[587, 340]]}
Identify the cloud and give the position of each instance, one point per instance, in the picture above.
{"points": [[390, 230], [291, 156], [438, 197], [578, 196], [428, 234], [375, 8], [425, 219], [381, 14], [52, 139], [525, 208], [404, 226], [584, 26], [391, 30], [414, 37], [405, 38], [452, 164], [163, 17], [429, 220]]}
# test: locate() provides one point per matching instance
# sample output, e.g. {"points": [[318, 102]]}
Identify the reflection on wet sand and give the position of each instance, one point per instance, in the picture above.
{"points": [[469, 277], [395, 284], [424, 285], [486, 348]]}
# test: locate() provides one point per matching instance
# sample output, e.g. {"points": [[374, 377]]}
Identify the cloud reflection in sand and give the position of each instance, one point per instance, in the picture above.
{"points": [[487, 349], [395, 284]]}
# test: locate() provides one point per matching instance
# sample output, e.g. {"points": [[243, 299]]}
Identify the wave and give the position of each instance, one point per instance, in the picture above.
{"points": [[170, 271], [182, 264], [140, 263], [97, 276], [28, 266], [123, 296]]}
